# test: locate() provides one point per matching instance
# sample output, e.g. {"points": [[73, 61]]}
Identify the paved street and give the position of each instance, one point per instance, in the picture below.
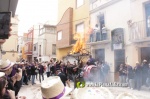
{"points": [[33, 91]]}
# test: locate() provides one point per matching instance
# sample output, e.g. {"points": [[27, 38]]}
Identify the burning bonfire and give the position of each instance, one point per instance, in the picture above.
{"points": [[79, 45]]}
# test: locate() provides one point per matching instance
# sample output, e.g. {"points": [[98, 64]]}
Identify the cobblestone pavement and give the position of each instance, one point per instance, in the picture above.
{"points": [[33, 91]]}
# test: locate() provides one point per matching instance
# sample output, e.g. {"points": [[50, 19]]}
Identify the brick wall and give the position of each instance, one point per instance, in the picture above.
{"points": [[65, 25]]}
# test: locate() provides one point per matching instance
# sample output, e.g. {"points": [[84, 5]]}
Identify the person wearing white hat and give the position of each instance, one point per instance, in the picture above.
{"points": [[144, 72], [53, 88], [13, 77], [4, 93]]}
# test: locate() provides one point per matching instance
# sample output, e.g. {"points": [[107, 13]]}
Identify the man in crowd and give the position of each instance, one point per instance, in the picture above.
{"points": [[62, 77], [144, 72], [41, 71]]}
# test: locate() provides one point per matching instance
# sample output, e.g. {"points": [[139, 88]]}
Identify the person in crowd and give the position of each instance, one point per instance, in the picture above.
{"points": [[62, 77], [148, 78], [63, 68], [4, 92], [13, 75], [104, 32], [99, 66], [130, 76], [36, 70], [69, 71], [75, 64], [122, 74], [58, 64], [138, 76], [105, 71], [33, 73], [41, 71], [48, 66], [28, 70], [91, 60], [25, 75], [52, 67], [144, 72]]}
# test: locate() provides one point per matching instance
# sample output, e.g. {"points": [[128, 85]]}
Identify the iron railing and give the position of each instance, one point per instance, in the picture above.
{"points": [[138, 31]]}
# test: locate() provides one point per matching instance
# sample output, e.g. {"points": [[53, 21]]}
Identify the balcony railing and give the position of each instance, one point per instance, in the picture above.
{"points": [[98, 37], [139, 31]]}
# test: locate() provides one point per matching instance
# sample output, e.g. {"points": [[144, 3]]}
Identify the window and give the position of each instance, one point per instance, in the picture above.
{"points": [[147, 14], [101, 19], [79, 3], [59, 35], [80, 28], [53, 49]]}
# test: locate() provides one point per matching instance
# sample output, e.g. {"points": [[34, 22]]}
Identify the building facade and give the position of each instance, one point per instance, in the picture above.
{"points": [[24, 38], [9, 49], [121, 32], [46, 42], [73, 17], [35, 42], [28, 47]]}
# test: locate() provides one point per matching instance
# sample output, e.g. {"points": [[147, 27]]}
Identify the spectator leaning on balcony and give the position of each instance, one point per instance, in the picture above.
{"points": [[104, 32], [95, 35]]}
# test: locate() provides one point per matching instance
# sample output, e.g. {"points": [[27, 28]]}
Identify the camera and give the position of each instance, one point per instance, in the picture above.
{"points": [[5, 19]]}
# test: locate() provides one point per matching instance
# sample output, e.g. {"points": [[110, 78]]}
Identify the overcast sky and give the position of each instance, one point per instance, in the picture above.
{"points": [[32, 12]]}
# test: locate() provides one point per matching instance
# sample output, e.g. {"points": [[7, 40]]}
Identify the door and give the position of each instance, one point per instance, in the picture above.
{"points": [[100, 54], [145, 54], [119, 58]]}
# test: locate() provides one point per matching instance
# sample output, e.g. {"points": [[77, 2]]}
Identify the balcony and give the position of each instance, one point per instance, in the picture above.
{"points": [[98, 38], [139, 31], [96, 5]]}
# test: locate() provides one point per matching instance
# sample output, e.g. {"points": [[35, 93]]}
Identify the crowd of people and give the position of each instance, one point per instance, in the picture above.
{"points": [[19, 74], [136, 76], [22, 73]]}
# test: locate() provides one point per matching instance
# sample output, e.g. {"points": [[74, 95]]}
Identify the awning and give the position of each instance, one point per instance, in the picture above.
{"points": [[8, 5]]}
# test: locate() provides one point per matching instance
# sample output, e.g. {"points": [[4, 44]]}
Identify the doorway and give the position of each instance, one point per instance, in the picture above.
{"points": [[145, 54], [100, 54], [119, 58]]}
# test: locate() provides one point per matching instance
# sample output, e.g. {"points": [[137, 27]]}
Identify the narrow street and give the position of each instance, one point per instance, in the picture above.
{"points": [[33, 91]]}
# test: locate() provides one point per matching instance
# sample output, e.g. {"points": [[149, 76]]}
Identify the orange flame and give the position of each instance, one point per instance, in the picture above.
{"points": [[81, 40]]}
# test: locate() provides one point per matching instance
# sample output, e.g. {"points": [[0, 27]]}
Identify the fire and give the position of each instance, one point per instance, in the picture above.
{"points": [[80, 44]]}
